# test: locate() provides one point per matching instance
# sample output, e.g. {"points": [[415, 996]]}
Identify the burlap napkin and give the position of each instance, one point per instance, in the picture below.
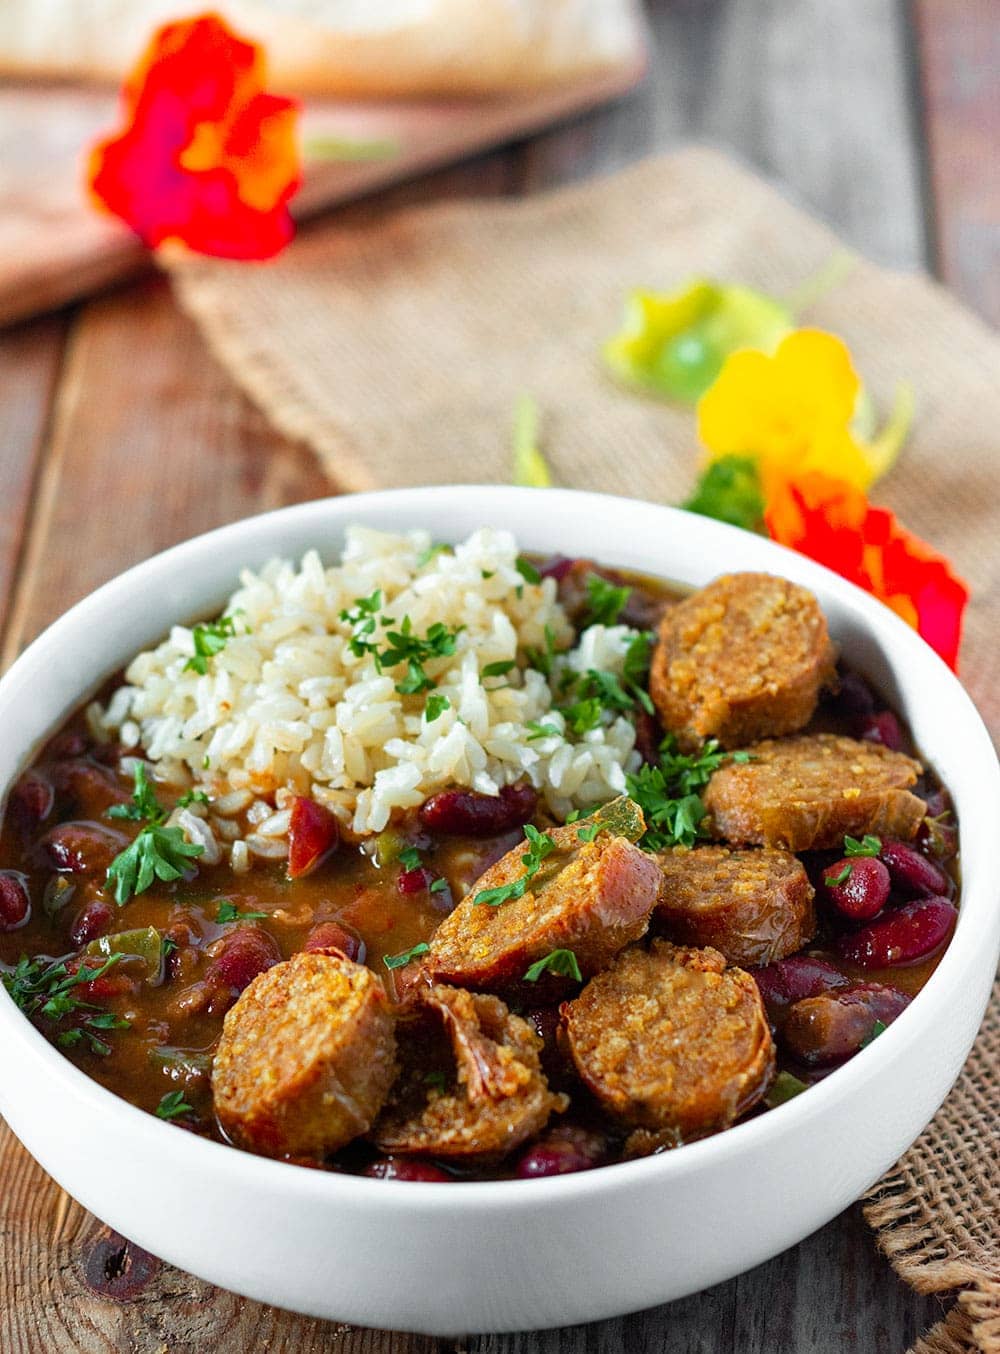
{"points": [[397, 347]]}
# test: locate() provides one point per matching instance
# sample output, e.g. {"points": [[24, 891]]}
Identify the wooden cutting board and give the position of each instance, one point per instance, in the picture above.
{"points": [[55, 247]]}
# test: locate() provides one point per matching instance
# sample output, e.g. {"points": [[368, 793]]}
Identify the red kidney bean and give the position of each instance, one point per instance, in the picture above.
{"points": [[790, 980], [642, 609], [864, 892], [938, 835], [83, 848], [883, 728], [854, 696], [908, 934], [87, 788], [241, 956], [826, 1029], [313, 832], [937, 802], [465, 813], [556, 1062], [564, 1149], [92, 921], [417, 880], [31, 800], [557, 567], [65, 745], [15, 900], [405, 1168], [912, 872], [330, 935]]}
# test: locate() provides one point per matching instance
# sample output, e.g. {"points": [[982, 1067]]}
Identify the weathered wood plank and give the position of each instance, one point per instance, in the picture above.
{"points": [[812, 94], [959, 57], [29, 365]]}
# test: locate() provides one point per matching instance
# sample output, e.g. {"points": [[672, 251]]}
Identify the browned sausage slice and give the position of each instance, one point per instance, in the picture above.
{"points": [[472, 1084], [591, 897], [806, 793], [741, 659], [306, 1058], [752, 906], [672, 1041]]}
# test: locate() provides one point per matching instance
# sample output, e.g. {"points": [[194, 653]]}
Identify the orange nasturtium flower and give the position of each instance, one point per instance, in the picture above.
{"points": [[796, 410], [832, 522], [207, 156]]}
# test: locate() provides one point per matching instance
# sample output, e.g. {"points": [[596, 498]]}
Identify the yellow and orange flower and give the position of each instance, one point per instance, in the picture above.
{"points": [[207, 156], [833, 523], [794, 411]]}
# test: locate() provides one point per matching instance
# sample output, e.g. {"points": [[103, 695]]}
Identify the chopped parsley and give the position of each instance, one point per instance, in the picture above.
{"points": [[410, 858], [560, 962], [539, 846], [439, 886], [833, 881], [192, 797], [500, 669], [867, 846], [156, 853], [363, 620], [210, 639], [430, 553], [595, 691], [537, 730], [45, 989], [589, 831], [230, 912], [398, 960], [172, 1106], [435, 707], [604, 601], [527, 570], [543, 659], [143, 806], [668, 793], [404, 647], [878, 1028], [784, 1087]]}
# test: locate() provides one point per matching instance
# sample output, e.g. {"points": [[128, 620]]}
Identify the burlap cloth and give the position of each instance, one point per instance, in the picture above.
{"points": [[397, 346]]}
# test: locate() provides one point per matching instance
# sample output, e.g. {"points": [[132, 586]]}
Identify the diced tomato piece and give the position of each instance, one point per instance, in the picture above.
{"points": [[312, 834]]}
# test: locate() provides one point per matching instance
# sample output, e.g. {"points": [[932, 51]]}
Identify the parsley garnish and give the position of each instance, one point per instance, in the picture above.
{"points": [[527, 570], [878, 1028], [668, 793], [596, 690], [498, 669], [539, 846], [541, 730], [427, 555], [410, 858], [588, 832], [156, 853], [192, 797], [542, 660], [439, 886], [833, 881], [363, 620], [560, 962], [604, 601], [43, 988], [230, 912], [867, 846], [143, 806], [209, 639], [398, 960], [435, 707], [172, 1106]]}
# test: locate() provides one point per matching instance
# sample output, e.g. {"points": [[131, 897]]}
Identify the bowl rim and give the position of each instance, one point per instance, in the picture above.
{"points": [[190, 1151]]}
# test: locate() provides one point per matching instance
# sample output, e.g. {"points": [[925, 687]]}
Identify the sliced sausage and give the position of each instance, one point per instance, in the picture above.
{"points": [[672, 1041], [752, 906], [741, 659], [472, 1084], [306, 1058], [806, 793], [590, 897], [823, 1030]]}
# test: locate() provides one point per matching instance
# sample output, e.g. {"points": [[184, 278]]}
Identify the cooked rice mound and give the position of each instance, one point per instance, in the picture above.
{"points": [[286, 708]]}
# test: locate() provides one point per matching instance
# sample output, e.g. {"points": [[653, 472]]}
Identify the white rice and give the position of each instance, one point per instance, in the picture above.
{"points": [[286, 707]]}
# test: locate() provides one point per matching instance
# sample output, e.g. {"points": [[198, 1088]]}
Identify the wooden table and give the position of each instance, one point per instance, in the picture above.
{"points": [[119, 436]]}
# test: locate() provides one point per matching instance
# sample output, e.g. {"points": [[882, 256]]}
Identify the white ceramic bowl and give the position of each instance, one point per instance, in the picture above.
{"points": [[451, 1258]]}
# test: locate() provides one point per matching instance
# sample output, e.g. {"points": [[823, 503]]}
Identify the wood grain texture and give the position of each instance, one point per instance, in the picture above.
{"points": [[959, 65], [811, 93]]}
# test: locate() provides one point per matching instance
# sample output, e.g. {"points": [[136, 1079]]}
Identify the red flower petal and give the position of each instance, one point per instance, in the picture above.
{"points": [[833, 523], [208, 157]]}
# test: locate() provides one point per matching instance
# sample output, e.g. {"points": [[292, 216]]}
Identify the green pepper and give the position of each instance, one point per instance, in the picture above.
{"points": [[145, 943], [784, 1087], [58, 892]]}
